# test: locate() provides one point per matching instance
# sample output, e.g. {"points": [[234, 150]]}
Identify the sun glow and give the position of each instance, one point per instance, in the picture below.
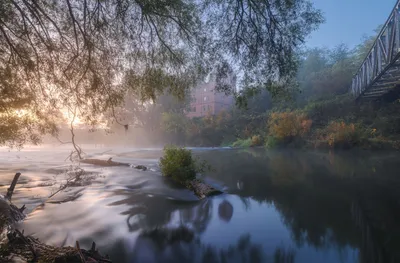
{"points": [[71, 118], [21, 113]]}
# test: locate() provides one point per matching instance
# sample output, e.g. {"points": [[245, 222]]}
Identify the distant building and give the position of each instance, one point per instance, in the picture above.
{"points": [[206, 101]]}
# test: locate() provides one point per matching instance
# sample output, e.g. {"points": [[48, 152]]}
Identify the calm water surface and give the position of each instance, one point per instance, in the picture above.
{"points": [[278, 206]]}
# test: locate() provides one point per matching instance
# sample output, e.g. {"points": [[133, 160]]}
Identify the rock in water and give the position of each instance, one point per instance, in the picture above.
{"points": [[141, 167]]}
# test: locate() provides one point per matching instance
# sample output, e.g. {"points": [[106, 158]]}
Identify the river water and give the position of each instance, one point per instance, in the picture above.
{"points": [[278, 206]]}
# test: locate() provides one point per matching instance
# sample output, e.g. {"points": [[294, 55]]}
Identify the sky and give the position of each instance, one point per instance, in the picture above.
{"points": [[347, 21]]}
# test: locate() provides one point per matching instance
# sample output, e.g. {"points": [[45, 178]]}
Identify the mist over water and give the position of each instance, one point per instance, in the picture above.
{"points": [[278, 206]]}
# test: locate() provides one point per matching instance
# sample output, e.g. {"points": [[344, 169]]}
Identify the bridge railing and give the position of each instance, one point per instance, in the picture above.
{"points": [[383, 54]]}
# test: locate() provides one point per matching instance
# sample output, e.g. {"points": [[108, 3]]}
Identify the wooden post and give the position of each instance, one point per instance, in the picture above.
{"points": [[10, 190]]}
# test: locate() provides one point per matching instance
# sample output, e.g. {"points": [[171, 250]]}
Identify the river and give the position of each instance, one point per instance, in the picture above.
{"points": [[279, 206]]}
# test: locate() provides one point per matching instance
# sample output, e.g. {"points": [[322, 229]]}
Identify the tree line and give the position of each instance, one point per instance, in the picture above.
{"points": [[64, 61], [314, 109]]}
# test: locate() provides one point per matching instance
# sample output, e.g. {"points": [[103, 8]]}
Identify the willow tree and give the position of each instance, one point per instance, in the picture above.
{"points": [[82, 56]]}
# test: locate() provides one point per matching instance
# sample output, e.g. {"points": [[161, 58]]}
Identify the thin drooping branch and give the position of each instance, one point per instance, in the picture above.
{"points": [[76, 54], [78, 149]]}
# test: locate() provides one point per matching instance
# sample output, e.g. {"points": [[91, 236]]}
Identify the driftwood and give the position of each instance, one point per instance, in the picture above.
{"points": [[106, 163], [201, 189], [16, 247], [29, 249], [10, 190]]}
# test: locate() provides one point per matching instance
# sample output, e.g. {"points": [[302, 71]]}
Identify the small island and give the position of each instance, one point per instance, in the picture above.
{"points": [[180, 165], [177, 164]]}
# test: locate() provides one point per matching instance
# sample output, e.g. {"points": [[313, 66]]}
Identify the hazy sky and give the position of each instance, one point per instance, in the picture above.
{"points": [[348, 20]]}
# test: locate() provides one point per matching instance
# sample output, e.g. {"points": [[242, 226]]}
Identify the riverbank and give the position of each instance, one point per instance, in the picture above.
{"points": [[16, 247], [376, 144], [335, 123]]}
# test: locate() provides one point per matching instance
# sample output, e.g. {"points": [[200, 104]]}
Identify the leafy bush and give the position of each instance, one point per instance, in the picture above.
{"points": [[271, 142], [321, 112], [226, 142], [242, 143], [339, 134], [256, 140], [287, 126], [180, 165]]}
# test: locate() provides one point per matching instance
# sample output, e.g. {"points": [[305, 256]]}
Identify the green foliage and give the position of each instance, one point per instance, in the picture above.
{"points": [[180, 165], [271, 142], [242, 143], [227, 142], [339, 134], [288, 126], [255, 140], [69, 56], [325, 73], [305, 119], [328, 104], [322, 111], [363, 48], [174, 122]]}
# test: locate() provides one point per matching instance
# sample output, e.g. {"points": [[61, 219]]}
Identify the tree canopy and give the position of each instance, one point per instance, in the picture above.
{"points": [[83, 57]]}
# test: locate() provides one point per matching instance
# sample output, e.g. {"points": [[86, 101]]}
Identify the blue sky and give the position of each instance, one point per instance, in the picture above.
{"points": [[348, 20]]}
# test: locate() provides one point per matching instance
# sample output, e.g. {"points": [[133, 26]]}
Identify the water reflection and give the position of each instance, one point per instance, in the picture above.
{"points": [[225, 211], [280, 206], [147, 211], [325, 199], [182, 248]]}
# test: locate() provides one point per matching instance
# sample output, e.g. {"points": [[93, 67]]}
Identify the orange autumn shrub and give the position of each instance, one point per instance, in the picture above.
{"points": [[256, 140], [339, 134], [286, 126]]}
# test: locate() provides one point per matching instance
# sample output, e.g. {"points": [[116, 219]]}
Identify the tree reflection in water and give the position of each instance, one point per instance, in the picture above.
{"points": [[326, 201], [147, 249], [225, 211], [159, 242], [344, 200], [178, 246], [283, 255], [149, 212]]}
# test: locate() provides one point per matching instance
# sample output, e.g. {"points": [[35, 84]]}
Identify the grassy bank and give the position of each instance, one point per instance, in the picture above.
{"points": [[336, 123]]}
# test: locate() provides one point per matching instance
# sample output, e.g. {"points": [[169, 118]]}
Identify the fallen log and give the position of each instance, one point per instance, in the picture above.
{"points": [[202, 189], [106, 163], [16, 247], [111, 163]]}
